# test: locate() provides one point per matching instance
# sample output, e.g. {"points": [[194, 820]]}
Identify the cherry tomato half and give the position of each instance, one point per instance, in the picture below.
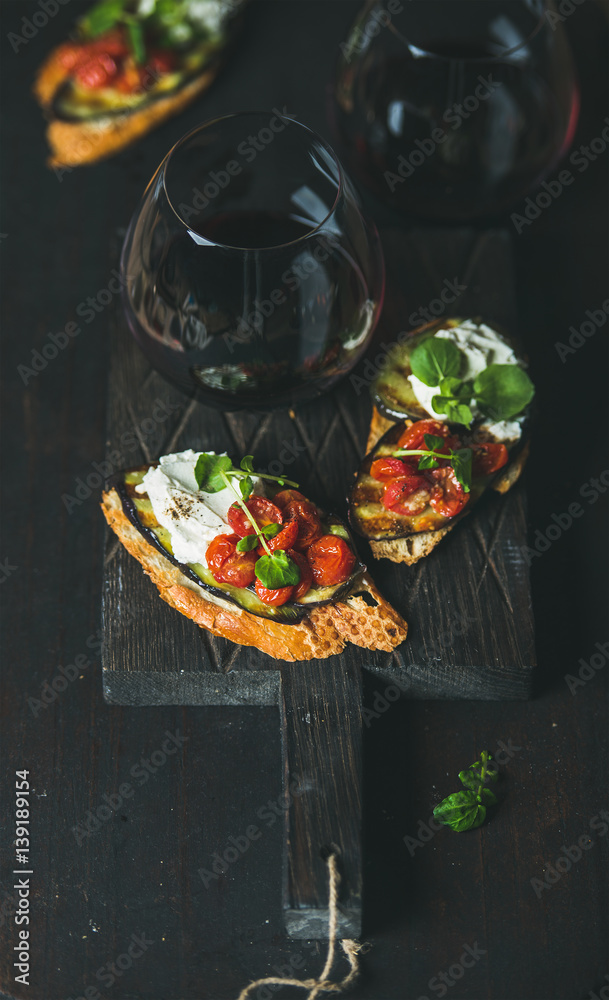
{"points": [[285, 496], [262, 510], [227, 564], [306, 574], [488, 457], [219, 549], [331, 560], [447, 495], [273, 597], [406, 496], [309, 525], [96, 71], [283, 540], [385, 469], [414, 436]]}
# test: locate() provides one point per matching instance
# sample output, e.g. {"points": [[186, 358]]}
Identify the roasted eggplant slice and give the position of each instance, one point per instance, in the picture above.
{"points": [[138, 509], [392, 393]]}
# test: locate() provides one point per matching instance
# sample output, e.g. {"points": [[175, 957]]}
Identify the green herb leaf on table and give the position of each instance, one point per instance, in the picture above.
{"points": [[461, 811], [208, 472], [466, 810], [503, 391], [277, 570], [434, 360]]}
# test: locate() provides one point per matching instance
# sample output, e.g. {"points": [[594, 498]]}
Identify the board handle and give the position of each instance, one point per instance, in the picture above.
{"points": [[322, 766]]}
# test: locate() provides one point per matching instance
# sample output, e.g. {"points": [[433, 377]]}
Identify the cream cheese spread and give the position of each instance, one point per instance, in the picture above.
{"points": [[480, 347], [191, 516]]}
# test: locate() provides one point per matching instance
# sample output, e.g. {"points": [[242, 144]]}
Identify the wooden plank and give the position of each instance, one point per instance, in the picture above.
{"points": [[321, 724], [477, 575]]}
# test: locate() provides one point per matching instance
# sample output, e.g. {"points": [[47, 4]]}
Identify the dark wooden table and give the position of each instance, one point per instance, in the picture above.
{"points": [[137, 872]]}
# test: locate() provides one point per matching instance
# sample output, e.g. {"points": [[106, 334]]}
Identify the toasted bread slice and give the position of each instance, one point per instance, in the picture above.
{"points": [[75, 143], [364, 618], [411, 548]]}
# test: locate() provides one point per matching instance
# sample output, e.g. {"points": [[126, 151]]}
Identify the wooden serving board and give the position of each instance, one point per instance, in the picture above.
{"points": [[468, 605]]}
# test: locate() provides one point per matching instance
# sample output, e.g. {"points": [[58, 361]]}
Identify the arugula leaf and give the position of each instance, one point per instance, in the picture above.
{"points": [[465, 810], [247, 487], [136, 37], [461, 461], [208, 472], [247, 544], [270, 530], [435, 359], [503, 391], [454, 387], [101, 18], [453, 400], [459, 413], [277, 570], [461, 811], [432, 441]]}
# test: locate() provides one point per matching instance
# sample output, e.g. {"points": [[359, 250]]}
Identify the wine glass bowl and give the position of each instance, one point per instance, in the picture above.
{"points": [[251, 278], [455, 109]]}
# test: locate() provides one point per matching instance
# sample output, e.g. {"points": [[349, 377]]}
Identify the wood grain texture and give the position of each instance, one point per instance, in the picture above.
{"points": [[321, 725]]}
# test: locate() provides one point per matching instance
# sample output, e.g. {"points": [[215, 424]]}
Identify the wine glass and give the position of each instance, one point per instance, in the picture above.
{"points": [[251, 278], [455, 109]]}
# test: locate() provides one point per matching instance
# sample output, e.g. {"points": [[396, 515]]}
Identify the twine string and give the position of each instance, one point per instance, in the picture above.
{"points": [[350, 947]]}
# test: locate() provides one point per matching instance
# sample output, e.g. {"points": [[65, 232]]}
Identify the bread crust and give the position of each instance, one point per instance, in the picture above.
{"points": [[73, 144], [411, 548], [324, 631]]}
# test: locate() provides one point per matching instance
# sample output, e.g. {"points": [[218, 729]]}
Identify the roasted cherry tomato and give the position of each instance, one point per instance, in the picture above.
{"points": [[488, 457], [331, 560], [414, 436], [262, 510], [113, 42], [285, 496], [283, 540], [238, 569], [309, 525], [161, 61], [227, 564], [96, 71], [131, 77], [219, 549], [273, 597], [447, 495], [406, 496], [385, 469], [306, 575]]}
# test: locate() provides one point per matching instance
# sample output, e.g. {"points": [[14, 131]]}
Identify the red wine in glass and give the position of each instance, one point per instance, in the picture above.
{"points": [[270, 292], [456, 111]]}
